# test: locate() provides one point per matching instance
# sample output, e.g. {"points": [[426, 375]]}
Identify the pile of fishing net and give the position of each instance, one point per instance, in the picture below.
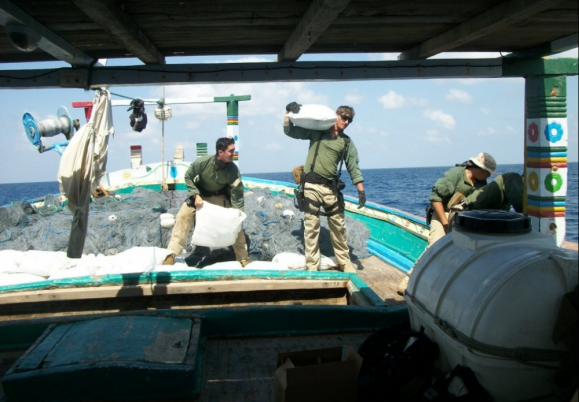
{"points": [[123, 221]]}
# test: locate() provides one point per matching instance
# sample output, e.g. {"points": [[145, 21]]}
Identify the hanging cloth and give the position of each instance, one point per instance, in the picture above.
{"points": [[82, 166]]}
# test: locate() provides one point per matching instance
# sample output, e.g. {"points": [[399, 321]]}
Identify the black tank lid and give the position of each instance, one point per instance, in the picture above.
{"points": [[490, 221]]}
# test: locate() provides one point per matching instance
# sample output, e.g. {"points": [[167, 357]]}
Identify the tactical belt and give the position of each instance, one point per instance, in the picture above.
{"points": [[315, 178]]}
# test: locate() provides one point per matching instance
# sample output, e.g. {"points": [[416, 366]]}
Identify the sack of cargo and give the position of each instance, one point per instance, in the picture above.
{"points": [[314, 117], [216, 226]]}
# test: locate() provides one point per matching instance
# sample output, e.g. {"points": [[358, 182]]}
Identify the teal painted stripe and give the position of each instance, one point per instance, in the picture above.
{"points": [[547, 203], [547, 154], [192, 274], [264, 181], [394, 259]]}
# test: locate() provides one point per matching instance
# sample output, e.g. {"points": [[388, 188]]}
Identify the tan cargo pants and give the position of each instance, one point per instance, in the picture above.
{"points": [[186, 219], [436, 229], [325, 196]]}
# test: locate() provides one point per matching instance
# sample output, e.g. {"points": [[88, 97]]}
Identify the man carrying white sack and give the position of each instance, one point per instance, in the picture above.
{"points": [[214, 179], [322, 186]]}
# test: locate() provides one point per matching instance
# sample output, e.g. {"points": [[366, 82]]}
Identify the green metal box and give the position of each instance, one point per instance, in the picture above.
{"points": [[135, 358]]}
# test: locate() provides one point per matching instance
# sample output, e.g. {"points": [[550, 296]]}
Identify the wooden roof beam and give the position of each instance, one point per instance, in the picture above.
{"points": [[547, 49], [317, 18], [48, 41], [109, 15], [501, 16]]}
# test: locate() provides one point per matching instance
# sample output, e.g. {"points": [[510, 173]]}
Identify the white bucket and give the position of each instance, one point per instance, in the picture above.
{"points": [[490, 301]]}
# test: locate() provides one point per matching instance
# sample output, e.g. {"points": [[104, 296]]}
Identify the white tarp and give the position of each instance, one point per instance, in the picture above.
{"points": [[82, 166]]}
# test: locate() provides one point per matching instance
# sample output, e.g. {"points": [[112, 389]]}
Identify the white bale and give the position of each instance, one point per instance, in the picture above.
{"points": [[87, 265], [167, 222], [133, 260], [44, 263], [227, 265], [18, 279], [10, 260], [291, 260], [166, 216], [314, 117], [216, 226], [267, 266]]}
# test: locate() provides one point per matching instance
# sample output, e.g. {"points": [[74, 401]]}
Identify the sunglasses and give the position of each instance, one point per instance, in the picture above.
{"points": [[345, 117]]}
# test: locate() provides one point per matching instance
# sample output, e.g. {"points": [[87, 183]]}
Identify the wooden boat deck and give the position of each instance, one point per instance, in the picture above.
{"points": [[382, 277]]}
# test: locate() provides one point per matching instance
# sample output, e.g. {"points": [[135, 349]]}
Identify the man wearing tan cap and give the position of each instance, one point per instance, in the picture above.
{"points": [[457, 184]]}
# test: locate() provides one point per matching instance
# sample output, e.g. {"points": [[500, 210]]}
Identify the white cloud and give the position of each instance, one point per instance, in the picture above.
{"points": [[459, 96], [354, 98], [486, 132], [486, 111], [393, 100], [442, 119], [434, 136]]}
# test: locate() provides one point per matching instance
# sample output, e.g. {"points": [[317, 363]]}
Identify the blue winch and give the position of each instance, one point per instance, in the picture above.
{"points": [[63, 124]]}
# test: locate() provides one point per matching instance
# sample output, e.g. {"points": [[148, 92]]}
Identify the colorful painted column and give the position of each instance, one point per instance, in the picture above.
{"points": [[233, 119], [546, 154]]}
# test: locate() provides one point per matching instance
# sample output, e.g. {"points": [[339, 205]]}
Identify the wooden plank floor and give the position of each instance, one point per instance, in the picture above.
{"points": [[382, 278], [242, 370]]}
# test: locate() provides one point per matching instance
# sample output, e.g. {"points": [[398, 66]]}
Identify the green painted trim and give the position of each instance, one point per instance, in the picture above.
{"points": [[232, 98], [536, 198], [539, 67], [547, 149]]}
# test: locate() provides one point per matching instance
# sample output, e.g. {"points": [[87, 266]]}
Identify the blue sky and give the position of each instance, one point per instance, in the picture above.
{"points": [[409, 123]]}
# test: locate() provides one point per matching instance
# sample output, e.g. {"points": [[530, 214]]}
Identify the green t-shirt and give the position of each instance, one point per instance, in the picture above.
{"points": [[202, 173], [329, 153]]}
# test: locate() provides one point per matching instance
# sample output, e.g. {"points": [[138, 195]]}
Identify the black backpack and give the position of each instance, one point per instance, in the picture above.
{"points": [[398, 364]]}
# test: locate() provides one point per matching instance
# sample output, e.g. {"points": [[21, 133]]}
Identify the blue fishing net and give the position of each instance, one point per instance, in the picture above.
{"points": [[123, 221]]}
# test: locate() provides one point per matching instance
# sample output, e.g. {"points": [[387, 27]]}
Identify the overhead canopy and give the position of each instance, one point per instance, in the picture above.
{"points": [[80, 32]]}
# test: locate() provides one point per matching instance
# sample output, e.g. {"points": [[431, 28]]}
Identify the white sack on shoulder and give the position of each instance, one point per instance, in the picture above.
{"points": [[314, 117], [216, 226]]}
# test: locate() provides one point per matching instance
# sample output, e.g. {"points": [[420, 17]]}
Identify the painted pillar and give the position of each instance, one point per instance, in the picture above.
{"points": [[233, 119], [546, 139]]}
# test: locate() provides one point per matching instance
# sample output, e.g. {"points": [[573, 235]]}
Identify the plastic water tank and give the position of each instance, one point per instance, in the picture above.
{"points": [[488, 294]]}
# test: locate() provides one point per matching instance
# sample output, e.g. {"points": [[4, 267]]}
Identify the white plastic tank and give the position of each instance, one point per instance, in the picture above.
{"points": [[488, 294]]}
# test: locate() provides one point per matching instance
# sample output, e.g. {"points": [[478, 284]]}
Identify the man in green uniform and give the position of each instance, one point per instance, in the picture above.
{"points": [[322, 187], [451, 189], [214, 179]]}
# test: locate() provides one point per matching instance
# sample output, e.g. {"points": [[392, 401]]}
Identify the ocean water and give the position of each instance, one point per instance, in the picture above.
{"points": [[406, 189]]}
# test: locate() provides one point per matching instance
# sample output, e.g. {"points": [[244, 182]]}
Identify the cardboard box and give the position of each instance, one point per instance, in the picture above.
{"points": [[317, 375]]}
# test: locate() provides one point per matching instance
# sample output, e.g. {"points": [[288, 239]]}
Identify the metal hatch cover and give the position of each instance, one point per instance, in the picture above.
{"points": [[135, 358]]}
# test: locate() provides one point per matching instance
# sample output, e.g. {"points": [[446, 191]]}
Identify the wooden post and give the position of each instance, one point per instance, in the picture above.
{"points": [[546, 139]]}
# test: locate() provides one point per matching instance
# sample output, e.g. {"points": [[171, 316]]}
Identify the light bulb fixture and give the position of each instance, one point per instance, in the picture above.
{"points": [[22, 37]]}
